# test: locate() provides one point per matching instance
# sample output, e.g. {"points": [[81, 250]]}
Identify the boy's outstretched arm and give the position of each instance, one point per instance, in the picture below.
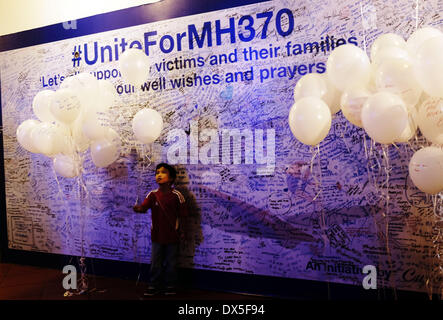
{"points": [[146, 204], [138, 208]]}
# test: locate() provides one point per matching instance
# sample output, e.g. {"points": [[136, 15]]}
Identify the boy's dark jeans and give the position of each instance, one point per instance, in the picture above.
{"points": [[163, 254]]}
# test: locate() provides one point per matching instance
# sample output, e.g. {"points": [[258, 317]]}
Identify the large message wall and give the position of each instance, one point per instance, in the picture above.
{"points": [[223, 82]]}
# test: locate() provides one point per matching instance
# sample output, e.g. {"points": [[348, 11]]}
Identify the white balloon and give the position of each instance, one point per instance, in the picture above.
{"points": [[86, 80], [311, 84], [384, 116], [310, 120], [390, 53], [41, 105], [348, 65], [23, 134], [147, 125], [428, 66], [68, 83], [411, 128], [424, 96], [332, 96], [371, 84], [86, 88], [45, 138], [397, 76], [107, 95], [62, 140], [134, 66], [89, 93], [66, 166], [426, 169], [112, 136], [430, 120], [352, 101], [419, 36], [80, 141], [385, 41], [96, 125], [318, 85], [65, 106], [106, 150]]}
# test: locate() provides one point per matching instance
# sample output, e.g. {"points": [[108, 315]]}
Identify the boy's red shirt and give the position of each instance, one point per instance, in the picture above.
{"points": [[166, 208]]}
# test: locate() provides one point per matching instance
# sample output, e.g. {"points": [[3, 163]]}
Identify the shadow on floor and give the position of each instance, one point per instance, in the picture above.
{"points": [[21, 282]]}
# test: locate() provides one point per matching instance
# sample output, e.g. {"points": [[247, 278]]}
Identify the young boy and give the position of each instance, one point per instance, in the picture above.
{"points": [[167, 207]]}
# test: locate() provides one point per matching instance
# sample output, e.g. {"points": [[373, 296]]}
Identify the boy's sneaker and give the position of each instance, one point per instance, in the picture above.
{"points": [[169, 291], [151, 291]]}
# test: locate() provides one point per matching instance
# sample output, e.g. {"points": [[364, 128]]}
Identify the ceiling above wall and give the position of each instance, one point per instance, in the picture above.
{"points": [[21, 15]]}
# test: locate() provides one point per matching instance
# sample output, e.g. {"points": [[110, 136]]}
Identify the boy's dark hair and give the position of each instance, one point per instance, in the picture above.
{"points": [[171, 170]]}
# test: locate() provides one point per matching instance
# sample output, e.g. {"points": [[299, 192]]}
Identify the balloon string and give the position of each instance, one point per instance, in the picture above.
{"points": [[62, 198], [141, 149], [367, 157], [322, 210], [139, 97], [146, 162], [318, 185], [314, 155], [134, 235], [388, 170], [83, 278], [78, 160], [138, 184], [376, 170], [83, 195], [323, 220], [135, 243], [318, 182], [138, 101], [374, 212], [74, 151], [373, 169], [139, 178], [364, 32]]}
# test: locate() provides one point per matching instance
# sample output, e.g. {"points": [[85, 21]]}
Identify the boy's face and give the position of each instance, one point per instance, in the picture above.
{"points": [[162, 176]]}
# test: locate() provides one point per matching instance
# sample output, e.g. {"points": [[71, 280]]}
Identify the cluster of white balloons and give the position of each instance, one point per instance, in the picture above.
{"points": [[391, 94], [70, 120], [75, 118], [316, 100], [147, 123]]}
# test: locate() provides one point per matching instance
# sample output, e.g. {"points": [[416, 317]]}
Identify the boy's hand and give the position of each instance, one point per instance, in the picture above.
{"points": [[137, 208]]}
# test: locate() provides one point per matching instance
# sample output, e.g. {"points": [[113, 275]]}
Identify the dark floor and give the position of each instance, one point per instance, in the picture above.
{"points": [[22, 282]]}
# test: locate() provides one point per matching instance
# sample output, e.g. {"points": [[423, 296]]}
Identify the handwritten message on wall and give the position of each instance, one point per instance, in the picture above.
{"points": [[216, 76]]}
